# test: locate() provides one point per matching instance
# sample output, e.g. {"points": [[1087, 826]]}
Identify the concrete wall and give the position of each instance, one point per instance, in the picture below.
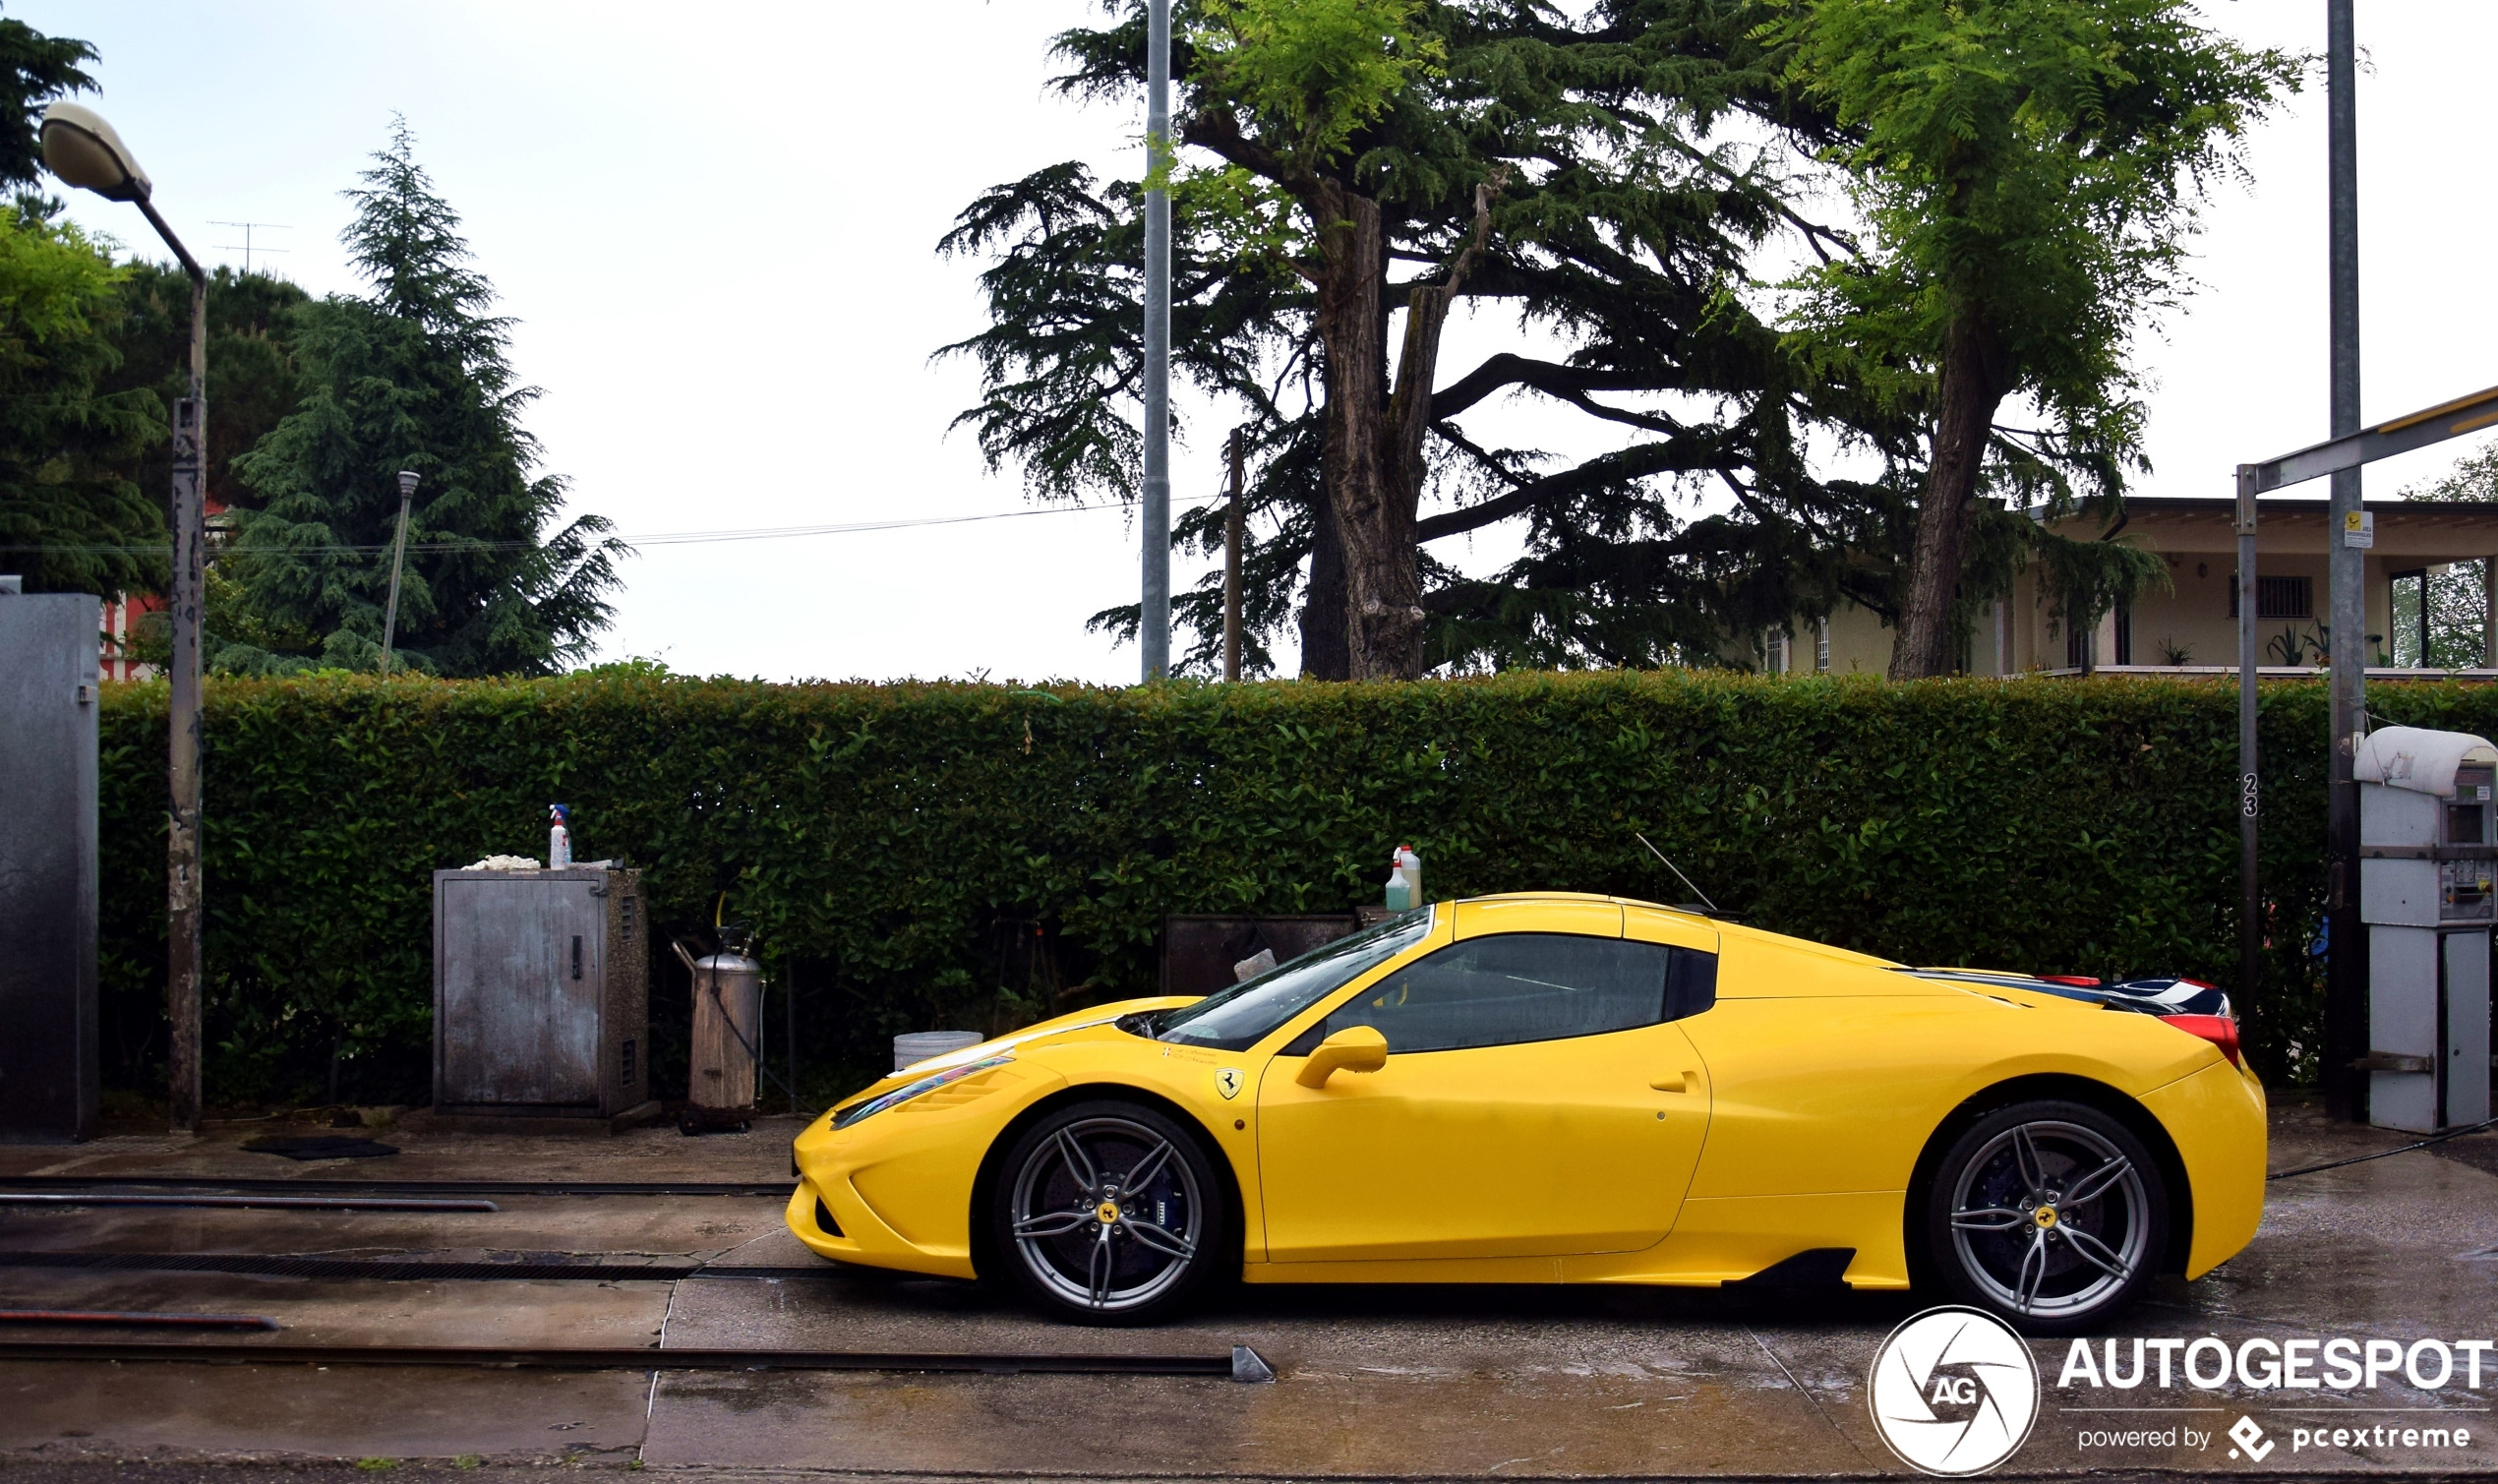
{"points": [[48, 1031]]}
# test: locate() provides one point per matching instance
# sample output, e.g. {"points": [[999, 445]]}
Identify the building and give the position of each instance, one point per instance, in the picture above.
{"points": [[2190, 627]]}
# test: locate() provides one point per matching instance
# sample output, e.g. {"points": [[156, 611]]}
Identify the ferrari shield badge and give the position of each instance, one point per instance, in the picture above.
{"points": [[1227, 1082]]}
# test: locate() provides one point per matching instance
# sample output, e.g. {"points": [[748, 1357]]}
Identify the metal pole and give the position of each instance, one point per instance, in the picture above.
{"points": [[2250, 896], [1154, 622], [2347, 980], [398, 551], [183, 887], [1232, 522], [2489, 613]]}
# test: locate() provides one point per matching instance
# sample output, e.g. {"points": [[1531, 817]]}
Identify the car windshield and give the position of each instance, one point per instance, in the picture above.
{"points": [[1239, 1018]]}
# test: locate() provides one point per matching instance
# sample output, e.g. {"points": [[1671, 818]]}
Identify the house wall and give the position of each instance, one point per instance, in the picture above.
{"points": [[2186, 621]]}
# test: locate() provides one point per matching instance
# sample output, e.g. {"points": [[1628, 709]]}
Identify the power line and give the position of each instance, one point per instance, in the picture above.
{"points": [[656, 538]]}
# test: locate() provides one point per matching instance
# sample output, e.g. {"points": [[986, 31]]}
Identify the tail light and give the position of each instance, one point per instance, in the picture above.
{"points": [[2219, 1030], [2079, 982]]}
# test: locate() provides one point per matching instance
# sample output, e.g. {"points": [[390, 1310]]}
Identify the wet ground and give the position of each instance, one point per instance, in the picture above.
{"points": [[1408, 1383]]}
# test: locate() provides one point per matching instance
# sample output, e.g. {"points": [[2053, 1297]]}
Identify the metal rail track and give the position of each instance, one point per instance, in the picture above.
{"points": [[1242, 1364], [319, 1184]]}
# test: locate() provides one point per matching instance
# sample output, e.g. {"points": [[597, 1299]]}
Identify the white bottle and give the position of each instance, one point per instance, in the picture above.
{"points": [[1409, 866], [1399, 895], [559, 839]]}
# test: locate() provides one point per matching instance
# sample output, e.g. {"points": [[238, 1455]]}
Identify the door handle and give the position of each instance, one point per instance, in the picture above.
{"points": [[1689, 1082]]}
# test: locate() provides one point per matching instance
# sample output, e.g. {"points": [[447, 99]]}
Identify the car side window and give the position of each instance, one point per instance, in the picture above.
{"points": [[1525, 986]]}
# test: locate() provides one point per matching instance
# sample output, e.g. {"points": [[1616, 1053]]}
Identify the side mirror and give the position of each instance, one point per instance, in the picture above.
{"points": [[1356, 1048]]}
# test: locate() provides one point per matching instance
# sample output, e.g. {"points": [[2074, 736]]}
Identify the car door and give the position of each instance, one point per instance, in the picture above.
{"points": [[1537, 1100]]}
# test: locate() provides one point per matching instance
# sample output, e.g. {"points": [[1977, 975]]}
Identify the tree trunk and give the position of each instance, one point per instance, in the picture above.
{"points": [[1322, 653], [1374, 458], [1972, 388], [1374, 526]]}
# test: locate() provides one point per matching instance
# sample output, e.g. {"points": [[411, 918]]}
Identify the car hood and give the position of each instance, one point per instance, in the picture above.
{"points": [[1043, 1034]]}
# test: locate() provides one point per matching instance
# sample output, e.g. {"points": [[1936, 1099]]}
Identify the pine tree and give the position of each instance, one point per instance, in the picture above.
{"points": [[414, 376]]}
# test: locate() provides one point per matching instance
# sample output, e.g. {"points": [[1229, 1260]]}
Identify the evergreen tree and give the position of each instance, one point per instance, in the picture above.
{"points": [[413, 376], [252, 381], [35, 69], [1376, 155], [70, 521]]}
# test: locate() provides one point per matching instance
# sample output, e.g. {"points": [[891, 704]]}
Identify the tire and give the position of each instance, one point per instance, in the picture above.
{"points": [[1080, 1239], [2004, 1229]]}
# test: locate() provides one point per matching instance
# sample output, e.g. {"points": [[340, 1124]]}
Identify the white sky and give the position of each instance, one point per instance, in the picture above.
{"points": [[715, 224]]}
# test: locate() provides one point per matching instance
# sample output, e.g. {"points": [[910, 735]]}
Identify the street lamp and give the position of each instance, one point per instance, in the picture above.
{"points": [[83, 150], [398, 549]]}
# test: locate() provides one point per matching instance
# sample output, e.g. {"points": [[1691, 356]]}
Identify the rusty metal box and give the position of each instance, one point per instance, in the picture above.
{"points": [[541, 992]]}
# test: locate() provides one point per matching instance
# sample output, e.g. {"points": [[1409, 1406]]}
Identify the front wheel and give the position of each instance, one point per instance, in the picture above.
{"points": [[2052, 1215], [1108, 1214]]}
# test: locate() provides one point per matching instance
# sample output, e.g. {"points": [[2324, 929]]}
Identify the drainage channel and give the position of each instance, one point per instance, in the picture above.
{"points": [[315, 1185], [1243, 1364], [257, 1265], [52, 1200]]}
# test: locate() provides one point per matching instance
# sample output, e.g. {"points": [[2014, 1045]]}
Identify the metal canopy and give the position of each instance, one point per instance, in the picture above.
{"points": [[2432, 424]]}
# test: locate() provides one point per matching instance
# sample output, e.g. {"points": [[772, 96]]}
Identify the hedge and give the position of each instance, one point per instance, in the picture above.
{"points": [[916, 854]]}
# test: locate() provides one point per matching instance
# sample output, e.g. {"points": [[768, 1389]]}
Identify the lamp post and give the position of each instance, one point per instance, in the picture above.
{"points": [[83, 150], [1153, 612], [398, 549]]}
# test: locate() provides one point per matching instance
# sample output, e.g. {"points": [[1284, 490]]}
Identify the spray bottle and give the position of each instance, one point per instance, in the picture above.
{"points": [[559, 839], [1409, 866]]}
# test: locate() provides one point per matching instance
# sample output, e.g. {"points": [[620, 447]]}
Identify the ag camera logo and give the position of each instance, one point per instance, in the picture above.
{"points": [[1953, 1392]]}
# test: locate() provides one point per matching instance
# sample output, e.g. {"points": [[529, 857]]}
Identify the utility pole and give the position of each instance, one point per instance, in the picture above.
{"points": [[2250, 893], [1154, 620], [1232, 522], [398, 549], [2345, 566], [82, 149]]}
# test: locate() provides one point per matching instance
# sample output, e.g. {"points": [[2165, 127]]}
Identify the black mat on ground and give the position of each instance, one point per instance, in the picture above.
{"points": [[319, 1147]]}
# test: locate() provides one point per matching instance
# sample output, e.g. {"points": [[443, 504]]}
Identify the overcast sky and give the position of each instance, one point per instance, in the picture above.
{"points": [[715, 227]]}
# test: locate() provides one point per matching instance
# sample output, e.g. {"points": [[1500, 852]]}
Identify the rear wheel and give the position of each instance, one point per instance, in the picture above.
{"points": [[1108, 1214], [2049, 1213]]}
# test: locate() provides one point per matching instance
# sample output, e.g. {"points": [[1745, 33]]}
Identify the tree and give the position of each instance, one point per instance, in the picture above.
{"points": [[35, 69], [2028, 171], [1563, 168], [413, 376], [251, 381], [70, 521], [2456, 597]]}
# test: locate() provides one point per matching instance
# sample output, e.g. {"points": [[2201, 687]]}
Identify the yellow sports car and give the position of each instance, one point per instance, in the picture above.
{"points": [[1551, 1087]]}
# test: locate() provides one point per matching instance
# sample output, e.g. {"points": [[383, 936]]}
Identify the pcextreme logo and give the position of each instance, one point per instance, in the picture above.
{"points": [[1953, 1392]]}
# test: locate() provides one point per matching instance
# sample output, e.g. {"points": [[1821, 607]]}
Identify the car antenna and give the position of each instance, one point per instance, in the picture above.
{"points": [[1677, 873]]}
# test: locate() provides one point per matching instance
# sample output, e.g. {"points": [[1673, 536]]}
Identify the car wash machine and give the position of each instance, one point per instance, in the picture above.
{"points": [[2425, 848]]}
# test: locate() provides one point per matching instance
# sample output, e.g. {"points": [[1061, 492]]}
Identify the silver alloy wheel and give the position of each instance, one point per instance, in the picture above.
{"points": [[2050, 1219], [1106, 1214]]}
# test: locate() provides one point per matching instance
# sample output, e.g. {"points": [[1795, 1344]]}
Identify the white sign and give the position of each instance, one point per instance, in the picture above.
{"points": [[2359, 529]]}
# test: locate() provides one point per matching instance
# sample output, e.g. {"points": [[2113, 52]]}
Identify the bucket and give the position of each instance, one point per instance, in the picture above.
{"points": [[920, 1046]]}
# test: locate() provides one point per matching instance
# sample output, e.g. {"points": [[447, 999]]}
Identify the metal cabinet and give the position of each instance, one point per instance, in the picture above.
{"points": [[2425, 875], [541, 992], [48, 1026]]}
